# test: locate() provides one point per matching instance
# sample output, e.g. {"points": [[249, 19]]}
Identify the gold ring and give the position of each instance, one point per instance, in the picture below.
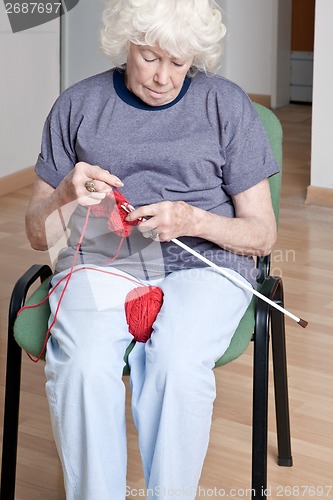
{"points": [[90, 186]]}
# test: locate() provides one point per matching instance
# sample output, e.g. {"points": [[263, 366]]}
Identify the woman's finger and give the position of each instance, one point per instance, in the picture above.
{"points": [[93, 174]]}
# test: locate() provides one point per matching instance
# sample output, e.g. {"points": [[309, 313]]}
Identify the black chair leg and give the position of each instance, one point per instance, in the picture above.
{"points": [[13, 382], [260, 402], [281, 383], [11, 419]]}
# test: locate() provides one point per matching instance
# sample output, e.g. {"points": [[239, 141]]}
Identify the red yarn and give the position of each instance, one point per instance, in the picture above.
{"points": [[142, 306], [143, 303], [110, 207]]}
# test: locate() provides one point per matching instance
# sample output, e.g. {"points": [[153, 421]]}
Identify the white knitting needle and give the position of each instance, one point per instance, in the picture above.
{"points": [[300, 321]]}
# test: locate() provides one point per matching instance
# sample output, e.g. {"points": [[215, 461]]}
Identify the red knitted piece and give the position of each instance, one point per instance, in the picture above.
{"points": [[142, 306], [110, 207]]}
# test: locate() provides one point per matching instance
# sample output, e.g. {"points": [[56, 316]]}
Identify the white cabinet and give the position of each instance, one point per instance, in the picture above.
{"points": [[301, 76]]}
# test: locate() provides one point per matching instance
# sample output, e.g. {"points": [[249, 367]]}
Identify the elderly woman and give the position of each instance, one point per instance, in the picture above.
{"points": [[187, 150]]}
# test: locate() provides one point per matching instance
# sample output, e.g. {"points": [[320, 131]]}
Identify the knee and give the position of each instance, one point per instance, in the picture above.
{"points": [[176, 350], [87, 361], [182, 369]]}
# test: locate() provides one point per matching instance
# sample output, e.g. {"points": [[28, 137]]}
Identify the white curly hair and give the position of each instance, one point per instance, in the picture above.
{"points": [[183, 28]]}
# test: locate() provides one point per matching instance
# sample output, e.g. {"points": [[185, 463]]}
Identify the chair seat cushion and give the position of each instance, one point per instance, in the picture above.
{"points": [[31, 325], [242, 336]]}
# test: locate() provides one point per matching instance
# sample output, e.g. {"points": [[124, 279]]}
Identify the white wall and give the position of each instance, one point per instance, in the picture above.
{"points": [[80, 52], [257, 46], [280, 52], [29, 83], [322, 109], [248, 46]]}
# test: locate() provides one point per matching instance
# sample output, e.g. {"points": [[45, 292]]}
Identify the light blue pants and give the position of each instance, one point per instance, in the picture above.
{"points": [[172, 381]]}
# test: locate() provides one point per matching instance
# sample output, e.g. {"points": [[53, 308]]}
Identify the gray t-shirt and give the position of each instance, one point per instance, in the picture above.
{"points": [[202, 148]]}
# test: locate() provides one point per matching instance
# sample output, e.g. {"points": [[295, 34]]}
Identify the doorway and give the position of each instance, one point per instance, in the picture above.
{"points": [[302, 48]]}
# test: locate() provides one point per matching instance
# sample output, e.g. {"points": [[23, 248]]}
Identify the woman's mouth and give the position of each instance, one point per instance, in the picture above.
{"points": [[155, 94]]}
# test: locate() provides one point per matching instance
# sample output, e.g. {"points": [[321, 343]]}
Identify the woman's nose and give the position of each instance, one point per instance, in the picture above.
{"points": [[162, 75]]}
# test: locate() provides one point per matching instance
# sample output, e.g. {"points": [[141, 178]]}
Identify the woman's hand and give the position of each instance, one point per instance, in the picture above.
{"points": [[46, 201], [73, 186], [165, 220]]}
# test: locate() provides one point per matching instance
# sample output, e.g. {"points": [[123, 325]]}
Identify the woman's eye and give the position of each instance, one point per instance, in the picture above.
{"points": [[149, 60], [179, 65]]}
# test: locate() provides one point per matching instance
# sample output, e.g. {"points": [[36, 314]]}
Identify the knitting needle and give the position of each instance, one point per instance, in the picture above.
{"points": [[222, 271], [242, 284]]}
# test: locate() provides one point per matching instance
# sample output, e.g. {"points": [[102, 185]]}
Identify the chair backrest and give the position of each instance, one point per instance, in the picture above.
{"points": [[274, 131], [244, 332]]}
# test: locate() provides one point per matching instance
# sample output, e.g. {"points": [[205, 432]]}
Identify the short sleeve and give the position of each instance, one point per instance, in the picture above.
{"points": [[57, 156], [248, 153]]}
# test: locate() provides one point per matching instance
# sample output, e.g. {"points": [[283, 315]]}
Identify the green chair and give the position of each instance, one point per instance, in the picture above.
{"points": [[27, 332]]}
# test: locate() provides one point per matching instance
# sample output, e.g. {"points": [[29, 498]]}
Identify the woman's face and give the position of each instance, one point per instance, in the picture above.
{"points": [[153, 75]]}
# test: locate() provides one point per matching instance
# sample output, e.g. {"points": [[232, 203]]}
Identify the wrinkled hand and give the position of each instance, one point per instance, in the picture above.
{"points": [[72, 187], [168, 219]]}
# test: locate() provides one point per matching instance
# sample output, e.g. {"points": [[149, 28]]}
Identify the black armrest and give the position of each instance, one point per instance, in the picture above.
{"points": [[263, 266]]}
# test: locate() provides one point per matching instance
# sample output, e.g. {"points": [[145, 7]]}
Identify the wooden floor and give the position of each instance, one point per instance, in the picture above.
{"points": [[303, 256]]}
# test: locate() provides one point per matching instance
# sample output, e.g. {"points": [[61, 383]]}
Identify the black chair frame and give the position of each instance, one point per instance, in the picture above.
{"points": [[268, 320]]}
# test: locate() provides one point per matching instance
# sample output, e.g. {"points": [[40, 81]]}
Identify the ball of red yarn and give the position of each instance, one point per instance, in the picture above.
{"points": [[142, 306]]}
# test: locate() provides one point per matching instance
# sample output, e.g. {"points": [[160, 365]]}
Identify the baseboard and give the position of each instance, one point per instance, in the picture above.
{"points": [[16, 181], [265, 100], [322, 197]]}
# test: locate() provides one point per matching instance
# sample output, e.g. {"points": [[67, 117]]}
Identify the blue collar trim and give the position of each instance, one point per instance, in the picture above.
{"points": [[131, 99]]}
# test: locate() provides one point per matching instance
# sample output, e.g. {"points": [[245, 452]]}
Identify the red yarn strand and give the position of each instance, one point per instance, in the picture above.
{"points": [[142, 304], [35, 360]]}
